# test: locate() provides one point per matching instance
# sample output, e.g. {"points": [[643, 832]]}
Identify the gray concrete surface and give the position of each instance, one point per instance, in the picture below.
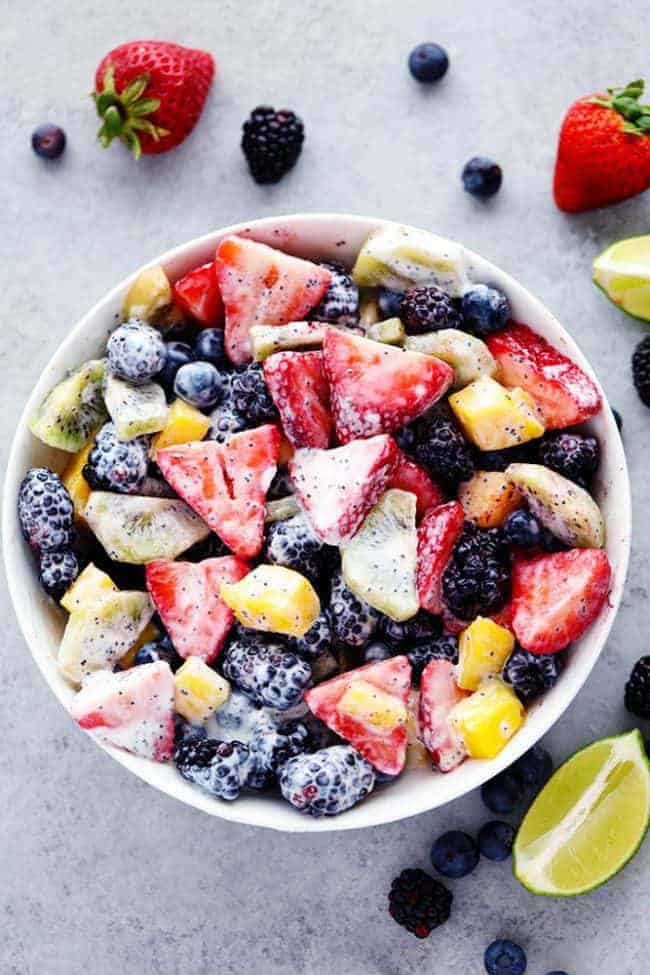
{"points": [[98, 873]]}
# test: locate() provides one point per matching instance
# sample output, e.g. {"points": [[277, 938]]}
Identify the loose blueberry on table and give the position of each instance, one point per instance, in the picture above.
{"points": [[338, 551]]}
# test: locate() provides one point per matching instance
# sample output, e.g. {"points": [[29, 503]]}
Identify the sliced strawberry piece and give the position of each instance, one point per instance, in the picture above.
{"points": [[263, 286], [556, 597], [337, 488], [376, 388], [299, 388], [198, 294], [408, 476], [226, 484], [503, 617], [438, 532], [439, 694], [132, 709], [380, 741], [564, 394], [186, 595]]}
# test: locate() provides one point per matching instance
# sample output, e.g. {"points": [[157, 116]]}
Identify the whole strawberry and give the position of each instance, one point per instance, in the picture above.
{"points": [[603, 153], [150, 94]]}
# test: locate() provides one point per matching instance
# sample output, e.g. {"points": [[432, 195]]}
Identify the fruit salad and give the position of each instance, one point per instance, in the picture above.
{"points": [[316, 526]]}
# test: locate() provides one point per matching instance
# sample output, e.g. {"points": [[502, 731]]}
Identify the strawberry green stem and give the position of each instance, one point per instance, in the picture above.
{"points": [[124, 114], [625, 101]]}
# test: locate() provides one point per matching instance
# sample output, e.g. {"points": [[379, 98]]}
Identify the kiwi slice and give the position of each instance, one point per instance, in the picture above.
{"points": [[567, 510], [268, 339], [138, 530], [135, 410], [73, 409], [468, 356], [379, 564]]}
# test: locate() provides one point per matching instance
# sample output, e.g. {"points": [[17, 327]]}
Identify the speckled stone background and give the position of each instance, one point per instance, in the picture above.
{"points": [[100, 874]]}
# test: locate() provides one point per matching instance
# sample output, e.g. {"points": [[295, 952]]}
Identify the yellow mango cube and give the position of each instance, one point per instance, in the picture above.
{"points": [[483, 649], [488, 498], [367, 703], [149, 294], [487, 719], [274, 599], [494, 417], [149, 635], [200, 690], [76, 484], [184, 424], [87, 588]]}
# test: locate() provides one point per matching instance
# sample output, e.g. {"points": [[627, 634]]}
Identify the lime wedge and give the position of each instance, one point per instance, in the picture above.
{"points": [[622, 270], [588, 820]]}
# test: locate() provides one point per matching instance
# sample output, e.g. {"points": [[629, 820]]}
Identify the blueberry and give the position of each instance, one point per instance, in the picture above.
{"points": [[495, 840], [504, 958], [485, 310], [177, 354], [482, 177], [57, 572], [209, 347], [428, 62], [504, 792], [375, 651], [454, 854], [136, 352], [534, 767], [48, 141], [149, 653], [389, 302], [523, 529], [199, 384]]}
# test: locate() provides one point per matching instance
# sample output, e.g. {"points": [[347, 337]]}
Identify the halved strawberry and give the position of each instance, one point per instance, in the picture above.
{"points": [[132, 709], [376, 388], [337, 488], [226, 484], [198, 294], [346, 705], [186, 595], [299, 388], [564, 394], [439, 694], [438, 532], [263, 286], [409, 476], [556, 597]]}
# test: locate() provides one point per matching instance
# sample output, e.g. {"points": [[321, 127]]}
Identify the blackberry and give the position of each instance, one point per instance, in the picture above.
{"points": [[353, 621], [495, 840], [442, 449], [45, 510], [485, 310], [327, 782], [272, 676], [572, 455], [136, 352], [57, 572], [476, 581], [428, 309], [272, 142], [406, 439], [498, 460], [341, 302], [158, 650], [637, 689], [219, 767], [319, 735], [238, 717], [316, 641], [293, 544], [421, 628], [523, 529], [418, 902], [116, 465], [248, 395], [225, 421], [454, 854], [444, 647], [184, 731], [641, 370], [270, 748], [531, 674]]}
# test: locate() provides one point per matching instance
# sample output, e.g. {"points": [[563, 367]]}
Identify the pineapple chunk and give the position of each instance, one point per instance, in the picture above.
{"points": [[274, 599], [200, 690], [494, 417], [488, 498], [148, 295], [88, 587], [390, 332], [487, 719], [375, 707], [150, 634], [483, 649], [75, 482], [184, 423]]}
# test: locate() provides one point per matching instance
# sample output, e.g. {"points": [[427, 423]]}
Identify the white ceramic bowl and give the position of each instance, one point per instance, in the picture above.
{"points": [[335, 237]]}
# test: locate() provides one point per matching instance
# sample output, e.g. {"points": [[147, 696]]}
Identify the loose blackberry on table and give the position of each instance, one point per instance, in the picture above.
{"points": [[641, 370], [418, 902], [272, 142], [637, 689]]}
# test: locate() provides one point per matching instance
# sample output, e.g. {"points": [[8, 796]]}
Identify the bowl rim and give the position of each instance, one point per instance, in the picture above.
{"points": [[476, 773]]}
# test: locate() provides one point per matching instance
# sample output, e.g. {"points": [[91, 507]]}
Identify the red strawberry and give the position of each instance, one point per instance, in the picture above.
{"points": [[150, 94], [226, 484], [197, 293], [438, 532], [376, 388], [263, 286], [384, 747], [297, 384], [186, 595], [439, 694], [337, 488], [132, 709], [562, 391], [556, 597], [408, 476], [603, 154], [503, 617]]}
